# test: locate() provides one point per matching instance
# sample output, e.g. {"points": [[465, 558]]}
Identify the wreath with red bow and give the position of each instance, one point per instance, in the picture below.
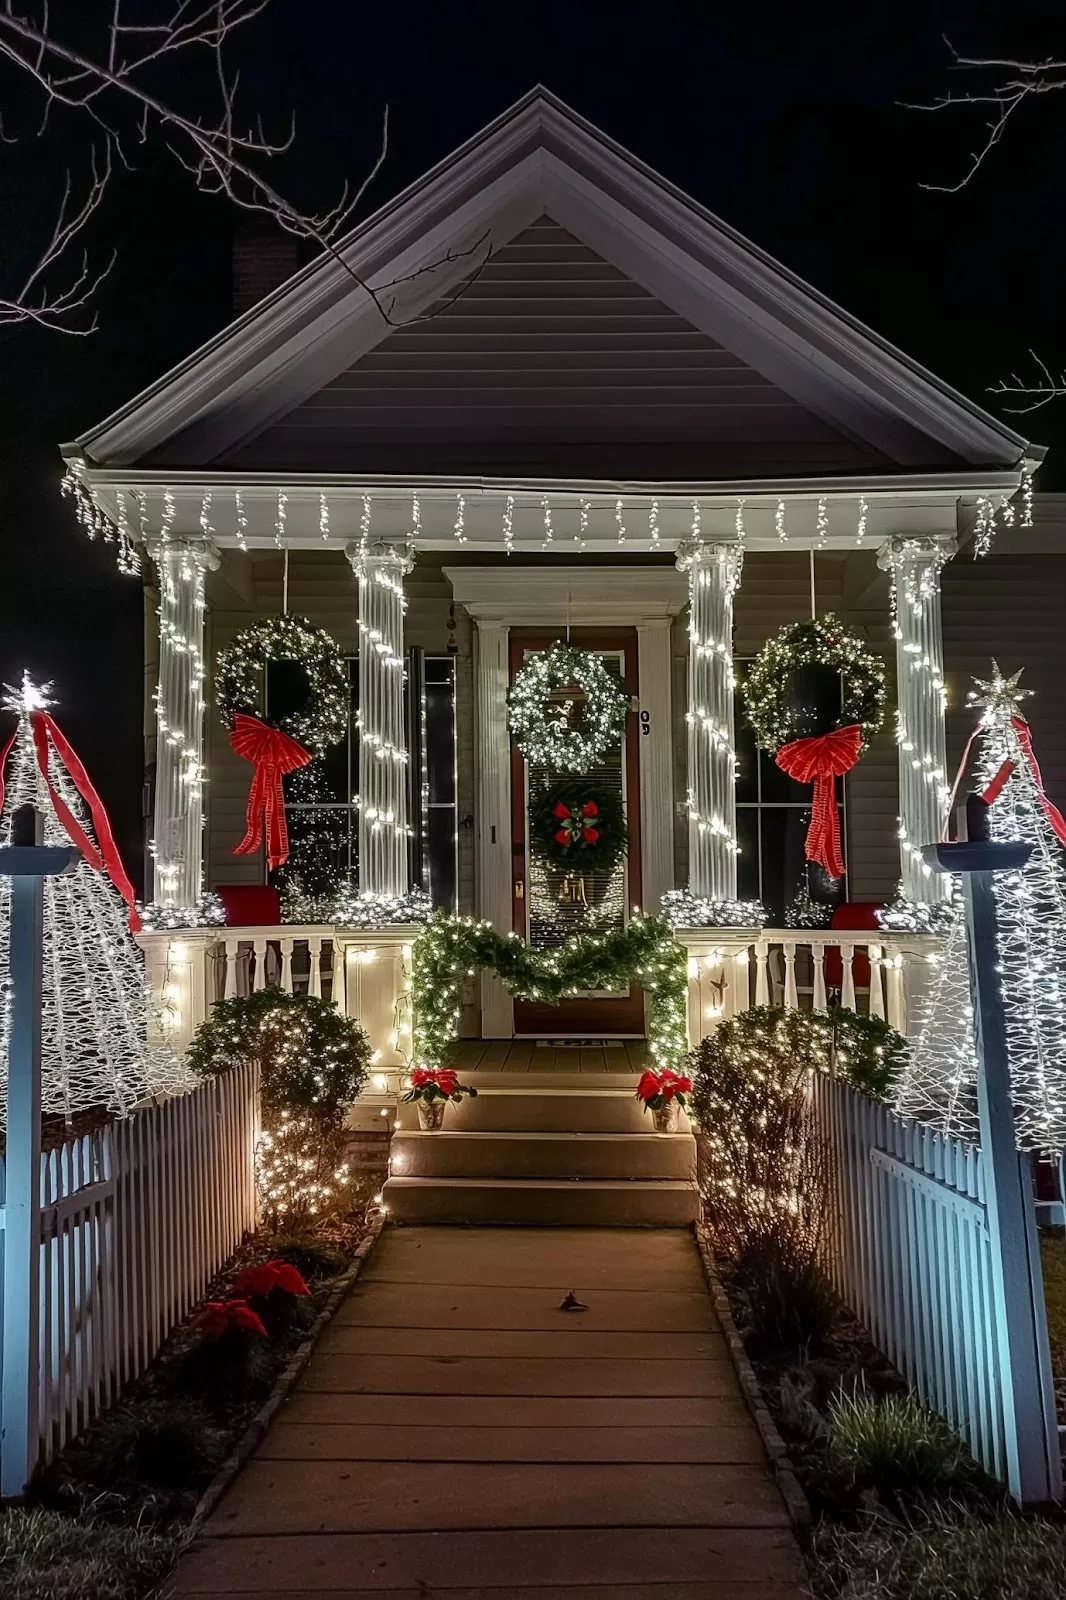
{"points": [[578, 826]]}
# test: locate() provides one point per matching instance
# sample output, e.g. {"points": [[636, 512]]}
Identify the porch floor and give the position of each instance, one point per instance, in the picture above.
{"points": [[550, 1055], [456, 1434]]}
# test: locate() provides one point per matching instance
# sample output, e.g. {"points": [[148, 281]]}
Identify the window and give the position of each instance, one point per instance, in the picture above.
{"points": [[773, 812], [321, 813]]}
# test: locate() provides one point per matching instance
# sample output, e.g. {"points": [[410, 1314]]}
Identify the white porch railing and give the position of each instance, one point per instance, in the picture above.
{"points": [[363, 972], [733, 969], [917, 1252], [134, 1221]]}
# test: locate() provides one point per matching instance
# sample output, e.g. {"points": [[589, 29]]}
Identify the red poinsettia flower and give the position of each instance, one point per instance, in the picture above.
{"points": [[447, 1080], [218, 1316], [255, 1282], [561, 810], [648, 1086], [590, 835], [562, 836], [590, 809]]}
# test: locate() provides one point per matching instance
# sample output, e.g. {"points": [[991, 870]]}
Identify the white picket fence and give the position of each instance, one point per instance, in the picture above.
{"points": [[134, 1221], [915, 1253]]}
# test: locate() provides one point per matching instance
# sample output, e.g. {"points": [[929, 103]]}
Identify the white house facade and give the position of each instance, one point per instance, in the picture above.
{"points": [[574, 406]]}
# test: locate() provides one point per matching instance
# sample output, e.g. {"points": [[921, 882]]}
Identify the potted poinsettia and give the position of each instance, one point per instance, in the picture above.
{"points": [[665, 1095], [275, 1291], [434, 1089]]}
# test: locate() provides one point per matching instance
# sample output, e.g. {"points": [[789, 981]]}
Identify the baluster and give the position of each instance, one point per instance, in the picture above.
{"points": [[877, 1001], [741, 981], [314, 976], [762, 985], [791, 995], [847, 987], [897, 997], [230, 988], [259, 961], [286, 964], [820, 1001]]}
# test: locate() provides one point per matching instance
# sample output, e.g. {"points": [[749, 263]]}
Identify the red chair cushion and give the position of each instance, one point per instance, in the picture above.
{"points": [[862, 916], [250, 905]]}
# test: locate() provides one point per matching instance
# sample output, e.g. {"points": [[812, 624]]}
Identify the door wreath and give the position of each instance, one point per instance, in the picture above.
{"points": [[577, 826], [543, 700]]}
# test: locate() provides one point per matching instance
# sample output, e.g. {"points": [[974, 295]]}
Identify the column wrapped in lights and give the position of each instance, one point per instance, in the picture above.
{"points": [[914, 565], [383, 830], [177, 844], [714, 577]]}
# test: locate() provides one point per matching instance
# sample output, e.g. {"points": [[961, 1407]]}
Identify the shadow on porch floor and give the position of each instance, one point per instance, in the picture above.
{"points": [[549, 1055]]}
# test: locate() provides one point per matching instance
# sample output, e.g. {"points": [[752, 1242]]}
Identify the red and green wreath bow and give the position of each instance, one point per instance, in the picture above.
{"points": [[576, 826]]}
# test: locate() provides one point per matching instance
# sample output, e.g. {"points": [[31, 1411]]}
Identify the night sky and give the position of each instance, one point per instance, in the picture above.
{"points": [[787, 120]]}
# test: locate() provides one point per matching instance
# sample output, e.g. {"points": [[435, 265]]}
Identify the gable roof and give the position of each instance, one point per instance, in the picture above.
{"points": [[830, 379]]}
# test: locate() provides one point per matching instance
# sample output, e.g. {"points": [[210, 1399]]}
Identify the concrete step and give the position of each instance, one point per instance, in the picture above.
{"points": [[586, 1203], [543, 1155], [542, 1110]]}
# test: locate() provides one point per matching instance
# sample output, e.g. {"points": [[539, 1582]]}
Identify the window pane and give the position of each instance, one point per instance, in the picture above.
{"points": [[442, 857], [440, 742], [748, 860], [320, 846]]}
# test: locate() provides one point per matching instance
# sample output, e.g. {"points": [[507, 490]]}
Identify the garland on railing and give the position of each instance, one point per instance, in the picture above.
{"points": [[683, 909], [452, 948]]}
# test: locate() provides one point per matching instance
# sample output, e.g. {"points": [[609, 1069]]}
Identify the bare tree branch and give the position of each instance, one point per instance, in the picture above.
{"points": [[224, 152], [1047, 386], [1005, 85]]}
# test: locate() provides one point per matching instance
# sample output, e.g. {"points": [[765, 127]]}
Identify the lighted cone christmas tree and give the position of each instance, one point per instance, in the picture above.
{"points": [[100, 1045], [940, 1085]]}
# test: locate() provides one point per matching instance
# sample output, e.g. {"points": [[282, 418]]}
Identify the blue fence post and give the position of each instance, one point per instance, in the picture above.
{"points": [[28, 865], [1034, 1463]]}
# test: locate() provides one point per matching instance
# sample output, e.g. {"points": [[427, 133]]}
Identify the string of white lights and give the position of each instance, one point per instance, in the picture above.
{"points": [[714, 572], [383, 826], [914, 566]]}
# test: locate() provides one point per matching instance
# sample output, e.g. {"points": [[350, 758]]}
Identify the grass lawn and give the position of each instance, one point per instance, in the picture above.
{"points": [[1053, 1256]]}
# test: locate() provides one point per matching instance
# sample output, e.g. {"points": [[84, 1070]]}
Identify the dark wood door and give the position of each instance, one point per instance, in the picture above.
{"points": [[540, 915]]}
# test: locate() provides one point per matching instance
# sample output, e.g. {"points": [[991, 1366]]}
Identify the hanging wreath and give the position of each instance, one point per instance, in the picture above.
{"points": [[549, 726], [322, 719], [816, 736], [776, 712], [276, 746], [578, 827]]}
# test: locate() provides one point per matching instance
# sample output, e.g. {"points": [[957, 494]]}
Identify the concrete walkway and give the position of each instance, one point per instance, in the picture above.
{"points": [[457, 1435]]}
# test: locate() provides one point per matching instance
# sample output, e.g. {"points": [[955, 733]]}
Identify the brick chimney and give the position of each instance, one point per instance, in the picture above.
{"points": [[263, 258]]}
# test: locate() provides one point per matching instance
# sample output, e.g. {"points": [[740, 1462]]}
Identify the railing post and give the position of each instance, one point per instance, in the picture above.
{"points": [[1034, 1461], [27, 864]]}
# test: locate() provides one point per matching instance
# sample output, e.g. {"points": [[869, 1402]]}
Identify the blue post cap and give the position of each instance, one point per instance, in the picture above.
{"points": [[977, 855], [38, 860]]}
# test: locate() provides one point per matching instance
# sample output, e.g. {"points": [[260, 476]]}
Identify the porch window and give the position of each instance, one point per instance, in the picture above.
{"points": [[773, 812], [320, 799]]}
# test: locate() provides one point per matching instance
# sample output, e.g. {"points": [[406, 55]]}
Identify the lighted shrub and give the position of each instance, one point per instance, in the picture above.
{"points": [[312, 1064]]}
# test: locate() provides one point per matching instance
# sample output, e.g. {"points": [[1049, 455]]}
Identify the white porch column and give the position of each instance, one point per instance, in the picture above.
{"points": [[383, 831], [178, 822], [656, 761], [495, 866], [714, 578], [914, 566]]}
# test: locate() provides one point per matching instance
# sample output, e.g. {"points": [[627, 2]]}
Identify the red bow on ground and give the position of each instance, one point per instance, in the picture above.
{"points": [[1049, 808], [106, 858], [821, 761], [272, 753]]}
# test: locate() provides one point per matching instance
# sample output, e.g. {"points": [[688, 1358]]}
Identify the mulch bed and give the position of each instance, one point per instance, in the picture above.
{"points": [[70, 1483]]}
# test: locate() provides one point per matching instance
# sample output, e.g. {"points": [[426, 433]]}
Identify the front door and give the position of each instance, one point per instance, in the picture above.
{"points": [[549, 905]]}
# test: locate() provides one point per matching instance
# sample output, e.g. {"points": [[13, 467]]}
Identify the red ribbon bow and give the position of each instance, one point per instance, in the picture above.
{"points": [[821, 761], [47, 734], [272, 753]]}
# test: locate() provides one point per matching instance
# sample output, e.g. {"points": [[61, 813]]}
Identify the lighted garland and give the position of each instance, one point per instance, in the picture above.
{"points": [[208, 912], [683, 909], [578, 826], [240, 668], [541, 725], [822, 642], [451, 948]]}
